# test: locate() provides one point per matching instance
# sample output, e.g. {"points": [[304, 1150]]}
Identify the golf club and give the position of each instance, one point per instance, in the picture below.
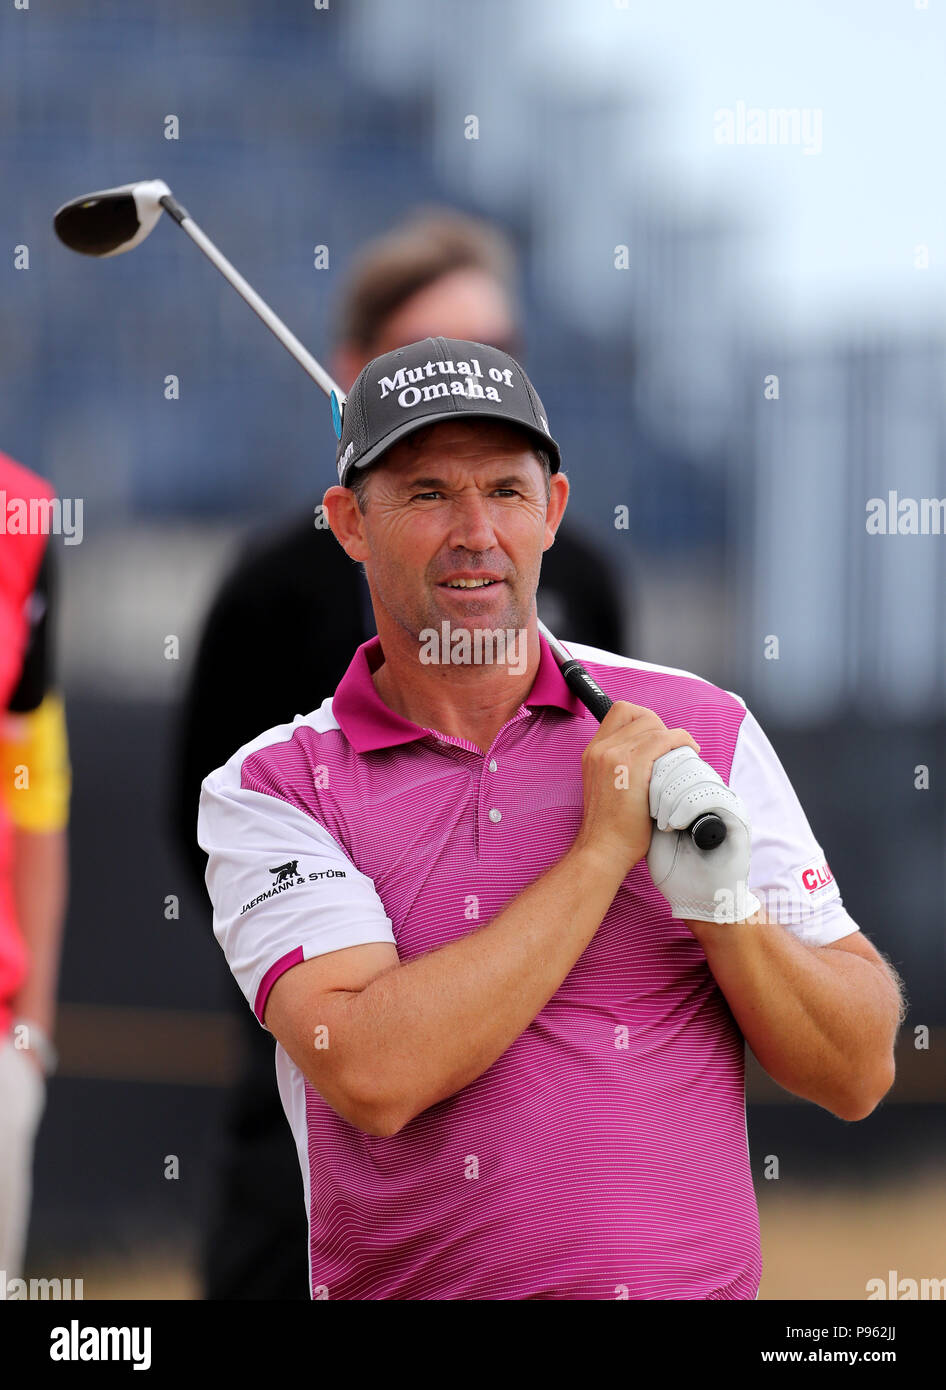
{"points": [[115, 220], [708, 830]]}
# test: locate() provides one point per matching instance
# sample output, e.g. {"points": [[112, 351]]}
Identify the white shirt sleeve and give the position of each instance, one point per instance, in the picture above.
{"points": [[282, 888], [788, 870]]}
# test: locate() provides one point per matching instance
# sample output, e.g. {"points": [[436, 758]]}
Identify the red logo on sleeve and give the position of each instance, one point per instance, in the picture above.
{"points": [[816, 878]]}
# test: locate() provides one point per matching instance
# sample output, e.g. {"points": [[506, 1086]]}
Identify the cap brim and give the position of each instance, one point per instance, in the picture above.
{"points": [[544, 441]]}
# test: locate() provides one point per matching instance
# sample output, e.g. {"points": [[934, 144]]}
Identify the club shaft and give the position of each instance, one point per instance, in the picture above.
{"points": [[259, 306], [553, 642], [577, 678]]}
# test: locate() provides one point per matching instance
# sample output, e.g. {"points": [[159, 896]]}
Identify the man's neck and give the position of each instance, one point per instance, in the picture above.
{"points": [[468, 702]]}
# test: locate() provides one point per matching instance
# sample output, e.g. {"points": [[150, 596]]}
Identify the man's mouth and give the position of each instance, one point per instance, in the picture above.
{"points": [[469, 583]]}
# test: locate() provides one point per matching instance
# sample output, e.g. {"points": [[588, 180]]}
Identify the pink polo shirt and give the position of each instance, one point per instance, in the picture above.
{"points": [[604, 1155]]}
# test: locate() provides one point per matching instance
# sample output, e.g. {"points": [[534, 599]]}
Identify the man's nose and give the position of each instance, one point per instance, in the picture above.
{"points": [[471, 527]]}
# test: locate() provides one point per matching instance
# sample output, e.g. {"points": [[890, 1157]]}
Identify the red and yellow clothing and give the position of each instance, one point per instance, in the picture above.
{"points": [[34, 772]]}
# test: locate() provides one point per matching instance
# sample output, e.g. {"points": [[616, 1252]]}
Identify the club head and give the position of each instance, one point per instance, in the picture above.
{"points": [[111, 221]]}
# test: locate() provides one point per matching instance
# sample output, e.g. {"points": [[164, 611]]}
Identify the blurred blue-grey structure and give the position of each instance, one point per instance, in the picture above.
{"points": [[304, 127], [320, 129]]}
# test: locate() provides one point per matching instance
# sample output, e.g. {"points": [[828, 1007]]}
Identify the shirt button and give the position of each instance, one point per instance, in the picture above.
{"points": [[492, 764], [495, 815]]}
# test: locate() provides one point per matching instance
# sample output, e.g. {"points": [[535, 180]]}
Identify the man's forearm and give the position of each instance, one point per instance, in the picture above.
{"points": [[429, 1027], [39, 877], [822, 1023]]}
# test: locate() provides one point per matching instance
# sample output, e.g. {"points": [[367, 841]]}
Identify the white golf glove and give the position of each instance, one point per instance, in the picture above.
{"points": [[706, 885]]}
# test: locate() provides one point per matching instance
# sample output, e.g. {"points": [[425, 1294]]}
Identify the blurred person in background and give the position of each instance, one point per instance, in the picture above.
{"points": [[440, 273], [34, 804]]}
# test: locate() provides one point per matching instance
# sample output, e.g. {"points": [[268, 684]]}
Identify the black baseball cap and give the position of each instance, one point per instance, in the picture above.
{"points": [[434, 379]]}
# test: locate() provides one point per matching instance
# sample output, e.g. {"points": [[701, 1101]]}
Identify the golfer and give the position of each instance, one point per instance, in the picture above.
{"points": [[510, 997]]}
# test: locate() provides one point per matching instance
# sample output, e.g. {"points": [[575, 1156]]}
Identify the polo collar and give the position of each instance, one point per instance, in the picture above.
{"points": [[369, 724]]}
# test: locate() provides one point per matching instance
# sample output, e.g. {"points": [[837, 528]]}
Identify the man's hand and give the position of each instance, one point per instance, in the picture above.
{"points": [[616, 768], [705, 885]]}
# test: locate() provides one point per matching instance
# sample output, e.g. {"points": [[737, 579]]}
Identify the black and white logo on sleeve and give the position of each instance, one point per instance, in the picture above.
{"points": [[287, 876]]}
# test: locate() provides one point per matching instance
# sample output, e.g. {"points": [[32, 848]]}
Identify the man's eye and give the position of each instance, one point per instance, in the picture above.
{"points": [[512, 491]]}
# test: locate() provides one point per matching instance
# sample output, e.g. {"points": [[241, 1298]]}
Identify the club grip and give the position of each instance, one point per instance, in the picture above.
{"points": [[588, 691], [708, 830]]}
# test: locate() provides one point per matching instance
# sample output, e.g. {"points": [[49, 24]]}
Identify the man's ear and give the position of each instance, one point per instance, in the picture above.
{"points": [[346, 521], [558, 497]]}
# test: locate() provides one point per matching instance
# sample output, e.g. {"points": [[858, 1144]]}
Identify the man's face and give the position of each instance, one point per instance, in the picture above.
{"points": [[465, 498]]}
